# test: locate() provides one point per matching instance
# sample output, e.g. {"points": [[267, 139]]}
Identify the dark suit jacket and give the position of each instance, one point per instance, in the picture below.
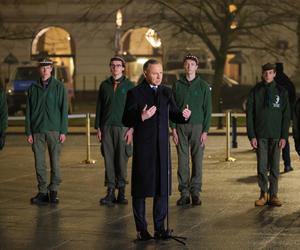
{"points": [[151, 154]]}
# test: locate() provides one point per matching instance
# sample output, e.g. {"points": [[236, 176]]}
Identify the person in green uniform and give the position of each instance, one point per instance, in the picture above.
{"points": [[268, 117], [46, 124], [115, 138], [193, 91], [3, 117]]}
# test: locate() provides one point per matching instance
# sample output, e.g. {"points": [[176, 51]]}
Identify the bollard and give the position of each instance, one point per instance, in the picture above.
{"points": [[228, 157], [234, 143], [220, 123], [88, 159]]}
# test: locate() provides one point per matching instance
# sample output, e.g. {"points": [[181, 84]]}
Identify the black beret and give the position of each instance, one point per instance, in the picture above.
{"points": [[268, 66]]}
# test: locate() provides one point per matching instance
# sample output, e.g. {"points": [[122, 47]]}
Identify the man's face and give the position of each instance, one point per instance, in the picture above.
{"points": [[268, 75], [154, 74], [45, 71], [190, 66], [116, 68]]}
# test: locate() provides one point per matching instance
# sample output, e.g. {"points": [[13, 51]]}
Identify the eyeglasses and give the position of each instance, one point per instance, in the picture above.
{"points": [[116, 65]]}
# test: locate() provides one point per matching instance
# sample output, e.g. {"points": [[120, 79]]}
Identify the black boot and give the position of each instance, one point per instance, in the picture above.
{"points": [[40, 199], [110, 198], [53, 197], [121, 196], [184, 200], [196, 200]]}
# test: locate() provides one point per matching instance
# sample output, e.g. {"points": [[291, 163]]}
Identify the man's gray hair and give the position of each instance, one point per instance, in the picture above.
{"points": [[150, 61]]}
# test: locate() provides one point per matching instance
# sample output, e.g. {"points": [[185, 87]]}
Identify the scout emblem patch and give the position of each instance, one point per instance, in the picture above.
{"points": [[276, 104]]}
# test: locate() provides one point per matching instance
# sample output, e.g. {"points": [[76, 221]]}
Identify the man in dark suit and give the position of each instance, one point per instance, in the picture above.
{"points": [[147, 110]]}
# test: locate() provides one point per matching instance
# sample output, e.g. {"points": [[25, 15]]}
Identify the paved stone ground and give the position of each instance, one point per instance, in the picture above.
{"points": [[226, 220]]}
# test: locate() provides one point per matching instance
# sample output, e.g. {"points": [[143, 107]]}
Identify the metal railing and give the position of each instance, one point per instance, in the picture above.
{"points": [[228, 115]]}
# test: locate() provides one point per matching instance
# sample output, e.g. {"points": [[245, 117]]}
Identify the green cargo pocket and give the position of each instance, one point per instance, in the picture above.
{"points": [[128, 150]]}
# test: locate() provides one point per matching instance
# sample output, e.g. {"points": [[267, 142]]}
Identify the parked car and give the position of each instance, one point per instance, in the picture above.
{"points": [[233, 94], [22, 78]]}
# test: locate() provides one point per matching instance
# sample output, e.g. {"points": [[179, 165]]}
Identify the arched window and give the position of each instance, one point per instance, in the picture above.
{"points": [[141, 44]]}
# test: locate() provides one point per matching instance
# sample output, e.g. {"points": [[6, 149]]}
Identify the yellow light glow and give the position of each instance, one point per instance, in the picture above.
{"points": [[119, 19], [141, 60], [153, 38], [232, 8], [234, 25]]}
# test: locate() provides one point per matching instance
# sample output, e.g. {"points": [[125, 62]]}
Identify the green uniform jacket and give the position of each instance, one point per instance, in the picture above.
{"points": [[46, 109], [110, 103], [3, 111], [197, 95], [268, 112]]}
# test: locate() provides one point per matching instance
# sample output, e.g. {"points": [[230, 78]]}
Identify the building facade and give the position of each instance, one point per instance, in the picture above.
{"points": [[83, 35]]}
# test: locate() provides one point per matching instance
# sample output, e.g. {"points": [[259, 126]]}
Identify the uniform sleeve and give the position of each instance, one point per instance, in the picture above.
{"points": [[28, 114], [250, 116], [98, 109], [3, 112], [207, 109], [64, 112], [132, 114]]}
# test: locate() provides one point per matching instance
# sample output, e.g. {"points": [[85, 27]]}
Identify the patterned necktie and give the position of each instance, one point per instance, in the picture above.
{"points": [[115, 86]]}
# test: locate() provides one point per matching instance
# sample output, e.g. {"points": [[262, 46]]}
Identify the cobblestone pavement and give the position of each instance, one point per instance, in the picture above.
{"points": [[227, 218]]}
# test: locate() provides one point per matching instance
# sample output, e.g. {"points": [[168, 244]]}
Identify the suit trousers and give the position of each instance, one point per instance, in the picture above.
{"points": [[159, 212], [286, 157]]}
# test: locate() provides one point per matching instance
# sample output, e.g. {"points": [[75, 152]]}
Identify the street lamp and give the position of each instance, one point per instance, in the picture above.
{"points": [[232, 9], [119, 21]]}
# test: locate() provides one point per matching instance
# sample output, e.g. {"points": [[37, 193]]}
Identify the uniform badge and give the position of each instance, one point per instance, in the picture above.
{"points": [[276, 104]]}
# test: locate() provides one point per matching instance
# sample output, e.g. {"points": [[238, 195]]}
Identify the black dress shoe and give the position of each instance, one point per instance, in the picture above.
{"points": [[184, 200], [53, 197], [40, 198], [196, 201], [288, 169], [162, 234], [144, 236]]}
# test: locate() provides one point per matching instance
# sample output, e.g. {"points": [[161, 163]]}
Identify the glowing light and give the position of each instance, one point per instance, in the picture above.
{"points": [[232, 8], [141, 60], [234, 25], [153, 38], [119, 19]]}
